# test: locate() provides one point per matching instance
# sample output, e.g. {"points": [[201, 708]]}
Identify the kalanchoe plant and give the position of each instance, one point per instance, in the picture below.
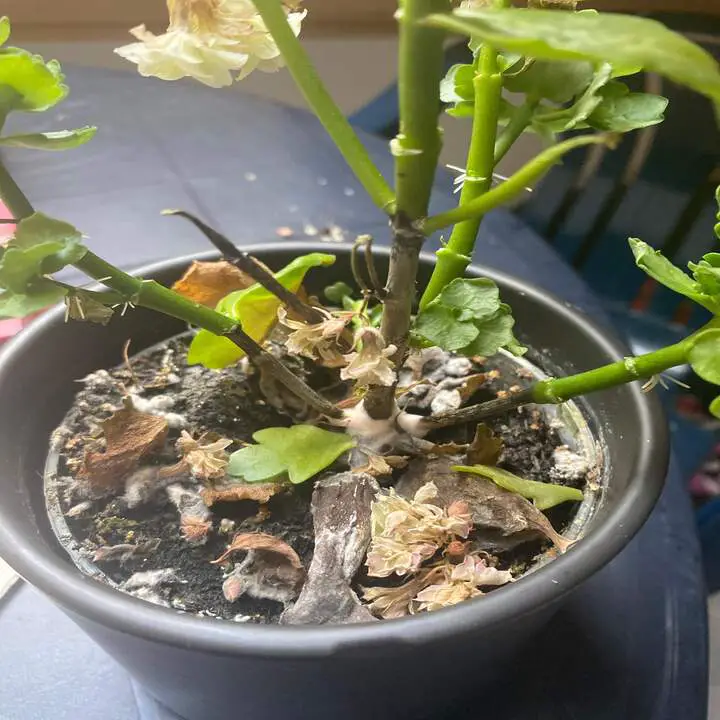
{"points": [[566, 66]]}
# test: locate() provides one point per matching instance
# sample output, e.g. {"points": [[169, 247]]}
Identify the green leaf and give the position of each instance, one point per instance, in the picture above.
{"points": [[658, 267], [717, 217], [475, 299], [494, 333], [625, 41], [457, 85], [301, 451], [704, 356], [442, 326], [337, 292], [543, 495], [256, 463], [622, 111], [36, 85], [557, 81], [4, 29], [707, 273], [715, 407], [61, 140], [43, 294], [255, 309]]}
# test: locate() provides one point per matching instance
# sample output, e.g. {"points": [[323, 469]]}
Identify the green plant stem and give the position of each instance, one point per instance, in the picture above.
{"points": [[513, 186], [13, 196], [416, 150], [558, 390], [320, 100], [515, 128], [455, 256]]}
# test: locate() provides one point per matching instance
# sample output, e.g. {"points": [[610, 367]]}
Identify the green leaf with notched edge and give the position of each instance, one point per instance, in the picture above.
{"points": [[475, 299], [255, 310], [658, 267], [704, 356], [54, 141], [457, 85], [18, 305], [622, 111], [625, 41], [543, 495], [440, 325], [559, 81], [494, 332], [707, 273], [715, 407], [301, 451], [35, 84]]}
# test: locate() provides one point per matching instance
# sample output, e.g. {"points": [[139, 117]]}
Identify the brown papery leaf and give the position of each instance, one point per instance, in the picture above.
{"points": [[471, 385], [129, 436], [259, 492], [193, 527], [486, 447], [209, 282], [261, 541], [450, 448]]}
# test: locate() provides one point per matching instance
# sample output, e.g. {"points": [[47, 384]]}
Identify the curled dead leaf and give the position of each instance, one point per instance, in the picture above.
{"points": [[450, 448], [486, 447], [379, 465], [471, 385], [194, 528], [209, 282], [261, 541], [259, 492], [130, 435]]}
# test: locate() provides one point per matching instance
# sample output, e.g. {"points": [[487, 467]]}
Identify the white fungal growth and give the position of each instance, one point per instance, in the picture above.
{"points": [[151, 579], [160, 405], [568, 464], [378, 434]]}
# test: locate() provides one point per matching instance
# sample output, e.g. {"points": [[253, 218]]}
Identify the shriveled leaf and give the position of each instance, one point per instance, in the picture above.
{"points": [[257, 492], [82, 306], [209, 282], [60, 140], [543, 495], [486, 447], [622, 111], [255, 309], [557, 81], [130, 435], [625, 41], [704, 356], [36, 85], [261, 541], [471, 385], [658, 267], [376, 465], [194, 528], [256, 463]]}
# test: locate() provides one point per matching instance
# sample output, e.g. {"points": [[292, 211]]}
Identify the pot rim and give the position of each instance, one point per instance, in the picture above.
{"points": [[63, 582]]}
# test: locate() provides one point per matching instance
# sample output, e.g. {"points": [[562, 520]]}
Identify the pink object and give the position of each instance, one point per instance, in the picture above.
{"points": [[11, 326]]}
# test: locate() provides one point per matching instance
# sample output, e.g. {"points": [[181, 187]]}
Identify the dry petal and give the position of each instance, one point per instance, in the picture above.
{"points": [[209, 282], [129, 436], [206, 456], [261, 541], [394, 602], [370, 364], [194, 528], [318, 341], [259, 492]]}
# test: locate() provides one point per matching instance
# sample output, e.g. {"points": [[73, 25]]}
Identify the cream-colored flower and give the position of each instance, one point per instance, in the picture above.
{"points": [[406, 533], [208, 40], [370, 364], [318, 341], [207, 460]]}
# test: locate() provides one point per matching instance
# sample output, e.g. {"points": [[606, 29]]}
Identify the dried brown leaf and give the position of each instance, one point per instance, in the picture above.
{"points": [[486, 447], [194, 528], [259, 492], [376, 465], [209, 282], [261, 541], [129, 436], [450, 448], [471, 385]]}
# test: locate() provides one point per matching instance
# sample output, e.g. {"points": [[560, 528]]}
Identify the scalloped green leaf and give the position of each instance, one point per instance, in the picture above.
{"points": [[35, 84], [494, 332], [625, 41], [54, 141], [559, 81], [704, 356], [440, 325], [255, 310], [301, 451], [543, 495], [623, 111], [42, 294]]}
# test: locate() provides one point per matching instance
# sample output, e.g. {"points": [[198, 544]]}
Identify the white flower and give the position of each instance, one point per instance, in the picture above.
{"points": [[371, 364], [208, 40], [318, 340]]}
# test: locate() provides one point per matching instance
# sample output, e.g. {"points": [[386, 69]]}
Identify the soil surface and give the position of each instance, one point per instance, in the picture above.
{"points": [[147, 537]]}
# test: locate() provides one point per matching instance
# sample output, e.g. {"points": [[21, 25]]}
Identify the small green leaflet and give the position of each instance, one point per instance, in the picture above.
{"points": [[42, 294], [715, 407], [41, 246], [468, 317], [559, 81], [4, 29], [36, 85], [625, 41], [543, 495], [300, 451], [704, 356], [657, 266], [61, 140], [255, 309], [623, 111]]}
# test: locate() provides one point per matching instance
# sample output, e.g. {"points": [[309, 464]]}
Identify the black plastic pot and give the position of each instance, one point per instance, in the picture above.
{"points": [[412, 668]]}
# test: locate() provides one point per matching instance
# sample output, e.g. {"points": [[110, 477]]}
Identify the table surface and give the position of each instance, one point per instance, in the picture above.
{"points": [[631, 643]]}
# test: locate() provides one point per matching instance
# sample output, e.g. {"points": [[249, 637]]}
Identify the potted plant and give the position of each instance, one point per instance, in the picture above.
{"points": [[389, 487]]}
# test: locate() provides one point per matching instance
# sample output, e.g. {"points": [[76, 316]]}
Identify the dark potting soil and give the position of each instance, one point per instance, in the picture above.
{"points": [[229, 403]]}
